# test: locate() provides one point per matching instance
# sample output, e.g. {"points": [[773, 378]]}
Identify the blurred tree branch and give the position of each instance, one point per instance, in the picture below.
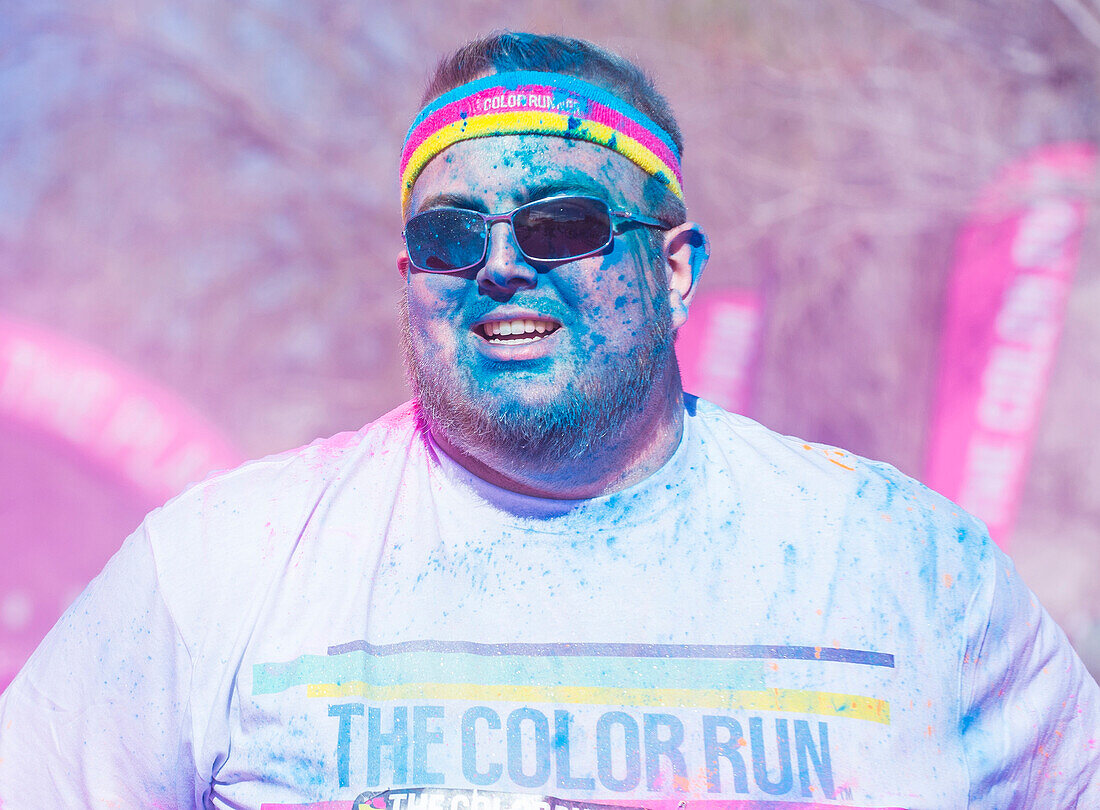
{"points": [[1084, 16]]}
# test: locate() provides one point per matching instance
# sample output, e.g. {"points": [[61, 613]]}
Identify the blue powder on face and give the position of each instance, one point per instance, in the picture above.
{"points": [[620, 302]]}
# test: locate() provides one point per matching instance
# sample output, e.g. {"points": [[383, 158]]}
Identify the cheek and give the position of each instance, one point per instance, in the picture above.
{"points": [[434, 308], [434, 295], [622, 301]]}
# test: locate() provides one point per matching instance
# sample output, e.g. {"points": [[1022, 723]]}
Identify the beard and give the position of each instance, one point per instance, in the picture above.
{"points": [[592, 411]]}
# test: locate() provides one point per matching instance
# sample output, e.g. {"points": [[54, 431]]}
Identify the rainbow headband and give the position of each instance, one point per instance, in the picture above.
{"points": [[538, 103]]}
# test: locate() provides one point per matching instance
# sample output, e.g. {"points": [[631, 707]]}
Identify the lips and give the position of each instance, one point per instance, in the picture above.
{"points": [[515, 331]]}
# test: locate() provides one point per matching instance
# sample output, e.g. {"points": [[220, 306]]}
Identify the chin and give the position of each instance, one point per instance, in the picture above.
{"points": [[546, 424], [539, 417]]}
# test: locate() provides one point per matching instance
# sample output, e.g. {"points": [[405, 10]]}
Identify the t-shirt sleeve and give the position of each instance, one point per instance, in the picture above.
{"points": [[1030, 710], [99, 716]]}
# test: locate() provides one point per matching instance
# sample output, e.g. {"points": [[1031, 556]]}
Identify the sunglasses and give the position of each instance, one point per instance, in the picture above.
{"points": [[447, 240]]}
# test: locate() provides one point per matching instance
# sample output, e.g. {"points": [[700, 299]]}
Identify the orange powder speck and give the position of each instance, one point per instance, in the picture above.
{"points": [[817, 653], [948, 580]]}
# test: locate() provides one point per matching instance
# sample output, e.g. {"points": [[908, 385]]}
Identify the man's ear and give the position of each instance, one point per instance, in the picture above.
{"points": [[686, 252], [403, 263]]}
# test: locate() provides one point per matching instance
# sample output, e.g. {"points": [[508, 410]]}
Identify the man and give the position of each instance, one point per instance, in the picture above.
{"points": [[555, 580]]}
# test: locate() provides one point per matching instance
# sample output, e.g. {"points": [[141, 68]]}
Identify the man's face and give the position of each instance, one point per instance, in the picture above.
{"points": [[600, 331]]}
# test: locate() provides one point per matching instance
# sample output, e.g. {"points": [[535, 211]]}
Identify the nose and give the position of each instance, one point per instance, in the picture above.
{"points": [[506, 269]]}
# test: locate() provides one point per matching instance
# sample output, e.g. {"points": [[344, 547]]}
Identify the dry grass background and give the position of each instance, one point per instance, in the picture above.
{"points": [[208, 190]]}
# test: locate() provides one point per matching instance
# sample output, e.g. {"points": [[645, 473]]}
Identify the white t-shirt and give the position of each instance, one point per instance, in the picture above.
{"points": [[763, 623]]}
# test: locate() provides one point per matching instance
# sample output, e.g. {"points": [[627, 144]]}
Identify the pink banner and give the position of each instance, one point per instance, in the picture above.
{"points": [[120, 419], [1014, 265], [88, 448], [719, 346]]}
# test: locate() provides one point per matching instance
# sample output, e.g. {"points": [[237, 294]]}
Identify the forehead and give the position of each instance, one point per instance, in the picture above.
{"points": [[508, 170]]}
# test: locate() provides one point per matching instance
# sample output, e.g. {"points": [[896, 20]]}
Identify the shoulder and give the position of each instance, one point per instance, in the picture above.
{"points": [[863, 497], [321, 460], [224, 539], [294, 478]]}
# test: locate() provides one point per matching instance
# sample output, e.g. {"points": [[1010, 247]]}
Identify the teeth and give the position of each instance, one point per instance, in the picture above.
{"points": [[517, 327]]}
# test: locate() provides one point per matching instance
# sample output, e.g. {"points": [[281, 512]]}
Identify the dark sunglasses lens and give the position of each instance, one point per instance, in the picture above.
{"points": [[443, 239], [562, 229]]}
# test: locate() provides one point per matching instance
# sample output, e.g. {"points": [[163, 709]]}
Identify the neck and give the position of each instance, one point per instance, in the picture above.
{"points": [[638, 450]]}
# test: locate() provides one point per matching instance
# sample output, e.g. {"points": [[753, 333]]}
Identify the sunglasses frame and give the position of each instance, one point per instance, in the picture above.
{"points": [[489, 220]]}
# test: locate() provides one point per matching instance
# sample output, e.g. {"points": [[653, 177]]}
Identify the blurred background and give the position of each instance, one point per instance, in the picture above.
{"points": [[199, 218]]}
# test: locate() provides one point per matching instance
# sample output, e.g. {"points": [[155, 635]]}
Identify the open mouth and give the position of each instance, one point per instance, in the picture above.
{"points": [[517, 330]]}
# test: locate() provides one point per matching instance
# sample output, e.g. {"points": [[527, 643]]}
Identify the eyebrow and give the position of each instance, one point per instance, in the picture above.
{"points": [[575, 182], [453, 200]]}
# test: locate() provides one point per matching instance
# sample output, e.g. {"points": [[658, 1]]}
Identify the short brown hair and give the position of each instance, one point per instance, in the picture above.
{"points": [[506, 50], [503, 51]]}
